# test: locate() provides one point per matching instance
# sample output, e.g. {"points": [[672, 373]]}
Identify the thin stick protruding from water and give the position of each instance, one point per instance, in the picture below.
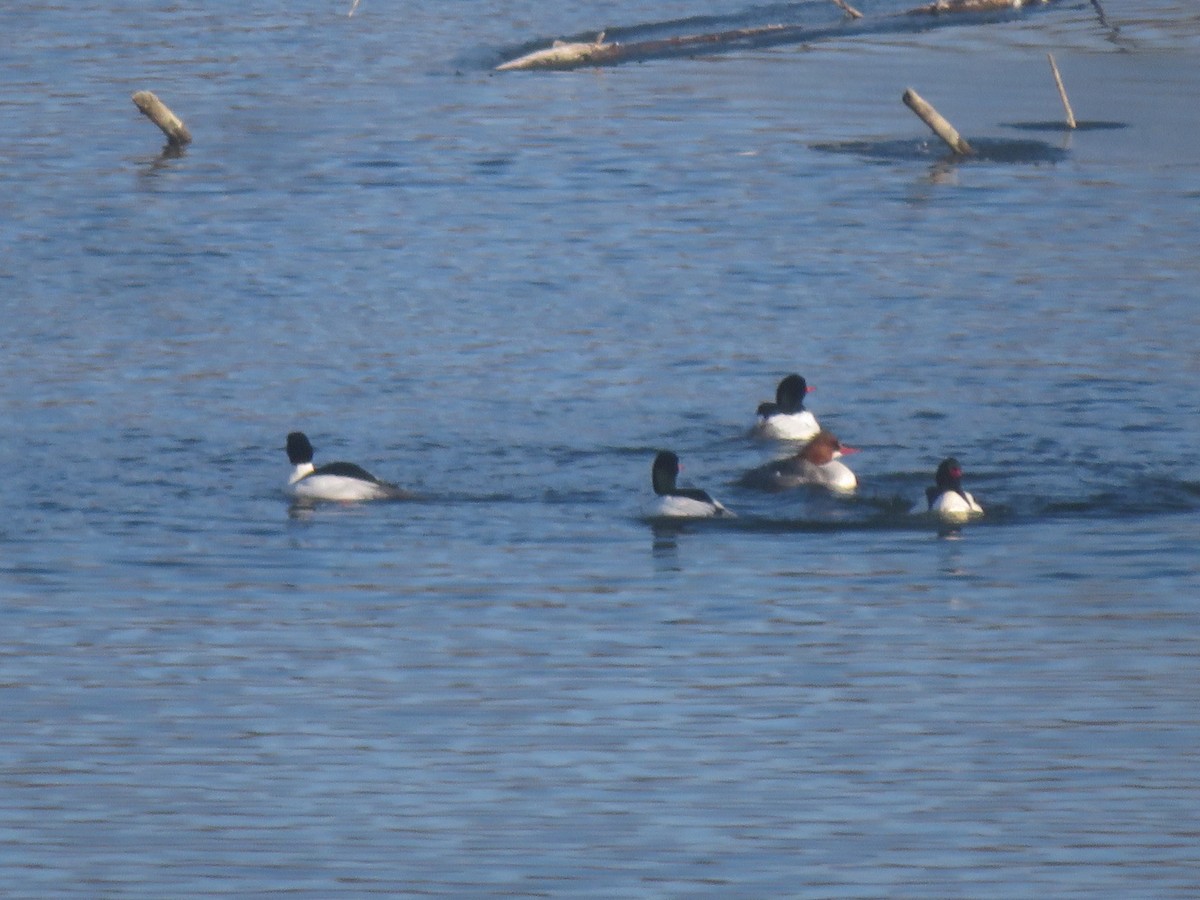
{"points": [[352, 9], [936, 123], [1103, 18], [158, 113], [848, 9], [1062, 91]]}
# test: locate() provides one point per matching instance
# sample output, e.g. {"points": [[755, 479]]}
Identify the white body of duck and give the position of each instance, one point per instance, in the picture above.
{"points": [[786, 419], [338, 481]]}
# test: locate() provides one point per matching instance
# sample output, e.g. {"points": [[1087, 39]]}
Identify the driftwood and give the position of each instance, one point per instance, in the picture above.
{"points": [[576, 54], [937, 124], [563, 55], [848, 9], [1062, 92], [158, 113], [967, 6]]}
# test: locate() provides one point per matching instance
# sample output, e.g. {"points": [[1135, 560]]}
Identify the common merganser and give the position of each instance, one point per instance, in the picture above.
{"points": [[818, 463], [332, 481], [947, 499], [786, 419], [680, 502]]}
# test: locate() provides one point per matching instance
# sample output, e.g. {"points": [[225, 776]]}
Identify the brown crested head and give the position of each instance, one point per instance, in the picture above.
{"points": [[824, 448]]}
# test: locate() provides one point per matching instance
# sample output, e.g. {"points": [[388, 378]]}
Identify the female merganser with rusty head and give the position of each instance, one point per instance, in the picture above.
{"points": [[680, 502], [818, 464], [332, 481], [786, 419], [947, 499]]}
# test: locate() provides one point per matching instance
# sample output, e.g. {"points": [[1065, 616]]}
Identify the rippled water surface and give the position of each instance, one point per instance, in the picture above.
{"points": [[505, 292]]}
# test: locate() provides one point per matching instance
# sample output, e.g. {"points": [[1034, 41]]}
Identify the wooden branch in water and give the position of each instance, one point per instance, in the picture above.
{"points": [[573, 55], [353, 7], [1103, 18], [848, 9], [1062, 91], [158, 113], [956, 6], [564, 55], [937, 124]]}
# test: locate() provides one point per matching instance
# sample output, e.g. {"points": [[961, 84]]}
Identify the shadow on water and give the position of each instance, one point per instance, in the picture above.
{"points": [[987, 150], [1148, 496], [1138, 499], [1059, 126], [667, 530], [166, 158]]}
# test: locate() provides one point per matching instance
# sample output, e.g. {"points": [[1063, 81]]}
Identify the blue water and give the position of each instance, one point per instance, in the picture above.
{"points": [[505, 292]]}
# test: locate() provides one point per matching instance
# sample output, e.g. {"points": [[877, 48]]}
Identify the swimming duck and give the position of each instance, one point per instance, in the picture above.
{"points": [[946, 498], [332, 481], [818, 463], [680, 502], [786, 419]]}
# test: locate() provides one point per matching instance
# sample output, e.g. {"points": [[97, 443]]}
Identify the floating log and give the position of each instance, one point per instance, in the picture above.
{"points": [[1062, 91], [967, 6], [564, 55], [848, 9], [158, 113], [937, 124], [577, 54]]}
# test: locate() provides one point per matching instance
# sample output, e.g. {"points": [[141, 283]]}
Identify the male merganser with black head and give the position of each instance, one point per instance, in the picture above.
{"points": [[818, 464], [947, 499], [332, 481], [680, 502], [786, 419]]}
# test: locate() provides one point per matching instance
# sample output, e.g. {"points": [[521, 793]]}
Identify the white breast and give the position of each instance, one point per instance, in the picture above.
{"points": [[954, 508], [799, 426], [837, 477]]}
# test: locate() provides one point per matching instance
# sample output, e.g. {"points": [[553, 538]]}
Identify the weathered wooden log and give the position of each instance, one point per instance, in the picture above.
{"points": [[577, 54], [965, 6], [564, 55], [158, 113], [848, 9], [937, 124], [1062, 91]]}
